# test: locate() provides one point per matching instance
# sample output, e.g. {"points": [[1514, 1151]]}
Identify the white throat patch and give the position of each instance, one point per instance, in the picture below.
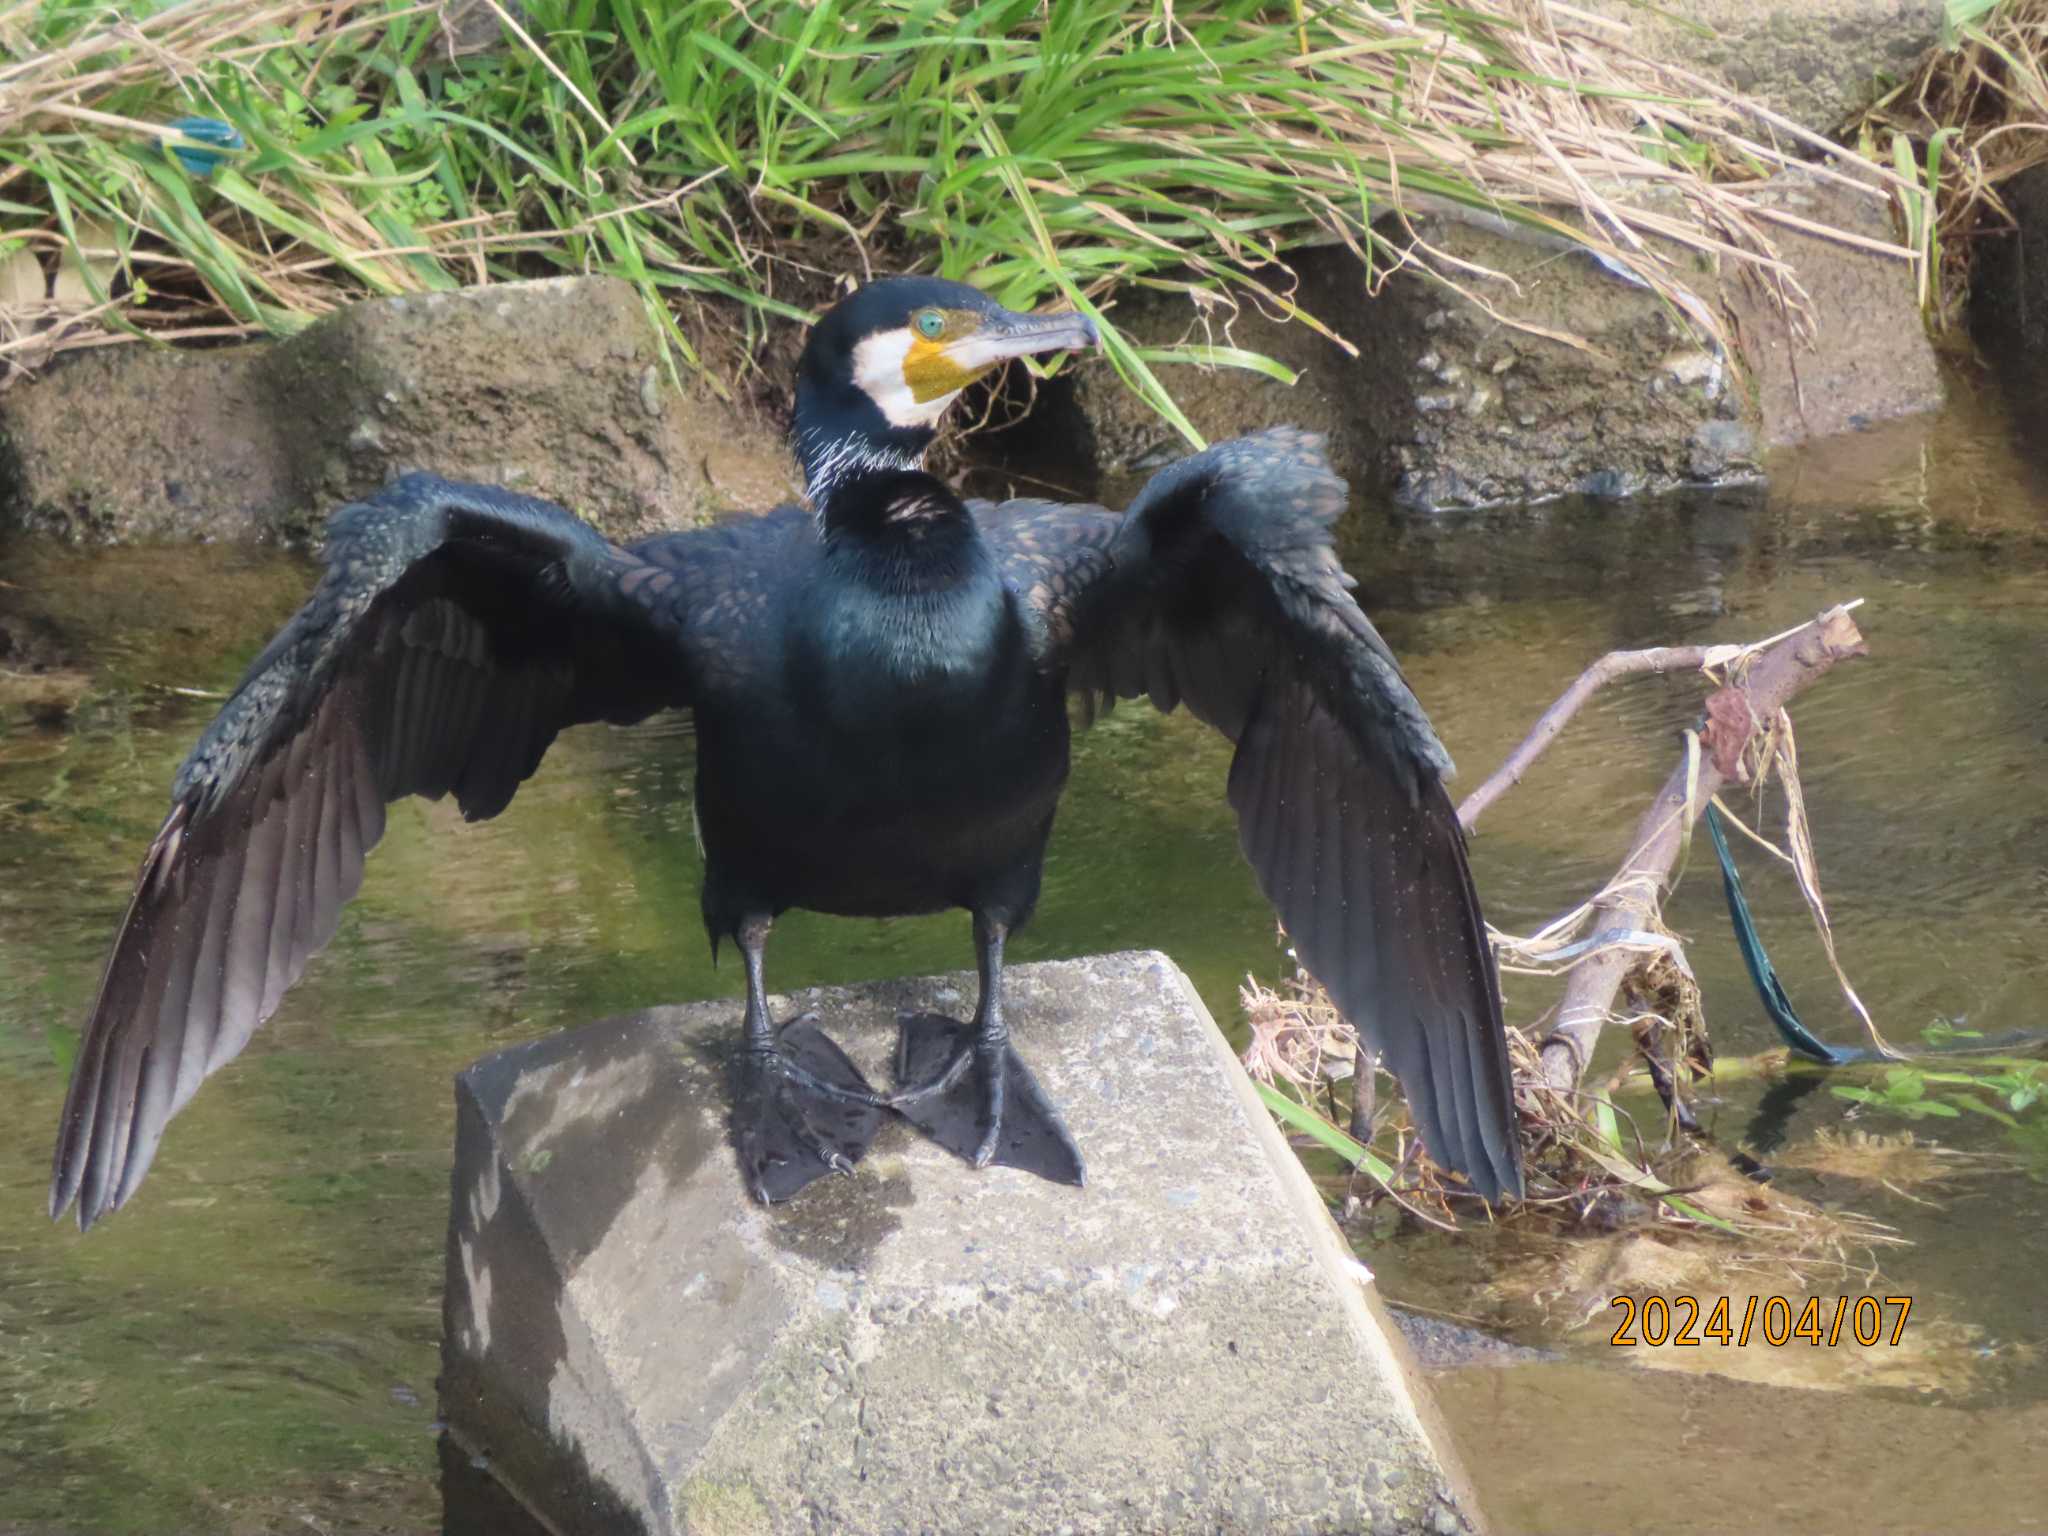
{"points": [[878, 370], [828, 462]]}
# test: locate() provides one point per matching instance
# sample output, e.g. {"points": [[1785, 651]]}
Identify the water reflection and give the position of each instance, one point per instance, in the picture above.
{"points": [[255, 1340]]}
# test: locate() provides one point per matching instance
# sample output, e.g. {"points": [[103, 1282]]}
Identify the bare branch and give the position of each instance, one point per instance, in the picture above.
{"points": [[1710, 659], [1632, 897], [1663, 658]]}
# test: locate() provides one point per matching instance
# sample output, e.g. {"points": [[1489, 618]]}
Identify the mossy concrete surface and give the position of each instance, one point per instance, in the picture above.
{"points": [[553, 387], [128, 443], [1184, 1345]]}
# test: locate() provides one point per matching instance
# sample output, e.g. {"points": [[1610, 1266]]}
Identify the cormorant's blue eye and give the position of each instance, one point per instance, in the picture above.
{"points": [[929, 323]]}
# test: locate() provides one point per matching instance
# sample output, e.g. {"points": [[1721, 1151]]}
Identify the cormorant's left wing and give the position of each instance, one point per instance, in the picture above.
{"points": [[1219, 588], [456, 630]]}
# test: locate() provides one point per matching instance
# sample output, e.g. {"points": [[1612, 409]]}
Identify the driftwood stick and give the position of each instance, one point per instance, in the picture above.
{"points": [[1663, 658], [1615, 664], [1774, 676]]}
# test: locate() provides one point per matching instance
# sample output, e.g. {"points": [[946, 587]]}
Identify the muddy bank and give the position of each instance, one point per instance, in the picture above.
{"points": [[1547, 374]]}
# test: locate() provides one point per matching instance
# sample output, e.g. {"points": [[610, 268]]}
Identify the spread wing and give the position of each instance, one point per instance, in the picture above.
{"points": [[1220, 589], [456, 629]]}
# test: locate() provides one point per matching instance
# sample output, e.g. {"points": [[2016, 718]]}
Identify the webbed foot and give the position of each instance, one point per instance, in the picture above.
{"points": [[800, 1110], [979, 1100]]}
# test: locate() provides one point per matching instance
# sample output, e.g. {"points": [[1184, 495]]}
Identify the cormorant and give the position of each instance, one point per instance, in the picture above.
{"points": [[880, 687]]}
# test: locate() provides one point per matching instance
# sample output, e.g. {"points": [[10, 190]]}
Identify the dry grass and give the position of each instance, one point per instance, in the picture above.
{"points": [[1900, 1161], [1971, 118], [1604, 1192]]}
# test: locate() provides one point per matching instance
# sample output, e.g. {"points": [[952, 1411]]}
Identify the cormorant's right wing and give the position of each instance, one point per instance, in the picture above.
{"points": [[456, 629], [1220, 589]]}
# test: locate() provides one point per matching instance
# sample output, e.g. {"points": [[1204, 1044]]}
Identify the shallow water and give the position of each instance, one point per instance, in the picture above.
{"points": [[253, 1342]]}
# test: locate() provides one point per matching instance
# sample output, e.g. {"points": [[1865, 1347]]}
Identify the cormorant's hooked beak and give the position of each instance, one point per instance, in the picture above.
{"points": [[1004, 334], [913, 374]]}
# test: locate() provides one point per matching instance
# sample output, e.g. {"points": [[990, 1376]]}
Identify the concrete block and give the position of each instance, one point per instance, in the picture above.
{"points": [[1869, 359], [553, 387], [124, 444], [1457, 401], [1186, 1344]]}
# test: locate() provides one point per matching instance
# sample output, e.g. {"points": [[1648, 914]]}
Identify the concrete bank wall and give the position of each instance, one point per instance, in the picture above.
{"points": [[553, 387]]}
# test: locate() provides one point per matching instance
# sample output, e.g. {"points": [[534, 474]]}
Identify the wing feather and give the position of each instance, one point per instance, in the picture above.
{"points": [[211, 894], [456, 630], [248, 951], [325, 884], [285, 903], [1220, 589], [163, 1058], [1325, 791]]}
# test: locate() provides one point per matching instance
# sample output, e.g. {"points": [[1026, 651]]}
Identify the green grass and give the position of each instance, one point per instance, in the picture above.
{"points": [[699, 149]]}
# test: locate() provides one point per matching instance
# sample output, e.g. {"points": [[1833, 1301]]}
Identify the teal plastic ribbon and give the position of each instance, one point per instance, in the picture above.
{"points": [[1768, 988]]}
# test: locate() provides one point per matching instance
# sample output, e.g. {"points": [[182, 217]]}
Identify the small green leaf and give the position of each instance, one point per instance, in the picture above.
{"points": [[1978, 1106], [1941, 1031], [1687, 1209], [1302, 1118], [1605, 1124], [1221, 357], [1904, 1085]]}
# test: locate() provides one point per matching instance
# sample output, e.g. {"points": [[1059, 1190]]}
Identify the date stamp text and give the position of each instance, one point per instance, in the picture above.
{"points": [[1778, 1321]]}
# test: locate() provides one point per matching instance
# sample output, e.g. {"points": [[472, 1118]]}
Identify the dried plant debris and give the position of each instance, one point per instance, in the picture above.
{"points": [[1900, 1161], [1668, 1021], [1297, 1034], [39, 699], [1789, 1248], [40, 684], [1771, 1310], [1620, 1209], [1969, 119]]}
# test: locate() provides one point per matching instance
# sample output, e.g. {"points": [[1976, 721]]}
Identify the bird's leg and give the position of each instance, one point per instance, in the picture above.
{"points": [[800, 1107], [991, 1036], [1364, 1092], [971, 1092]]}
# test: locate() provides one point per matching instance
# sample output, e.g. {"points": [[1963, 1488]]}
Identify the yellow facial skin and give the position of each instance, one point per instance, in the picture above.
{"points": [[928, 369]]}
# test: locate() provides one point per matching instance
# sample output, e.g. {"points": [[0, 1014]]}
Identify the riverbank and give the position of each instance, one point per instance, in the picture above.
{"points": [[1500, 253]]}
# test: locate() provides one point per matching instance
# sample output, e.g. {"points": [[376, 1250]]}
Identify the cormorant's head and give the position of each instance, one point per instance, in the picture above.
{"points": [[884, 363]]}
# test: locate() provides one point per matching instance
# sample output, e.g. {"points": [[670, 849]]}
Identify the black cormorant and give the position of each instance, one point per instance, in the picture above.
{"points": [[880, 687]]}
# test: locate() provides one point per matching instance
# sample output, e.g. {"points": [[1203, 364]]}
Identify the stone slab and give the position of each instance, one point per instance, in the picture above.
{"points": [[131, 443], [633, 1345], [1869, 359]]}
